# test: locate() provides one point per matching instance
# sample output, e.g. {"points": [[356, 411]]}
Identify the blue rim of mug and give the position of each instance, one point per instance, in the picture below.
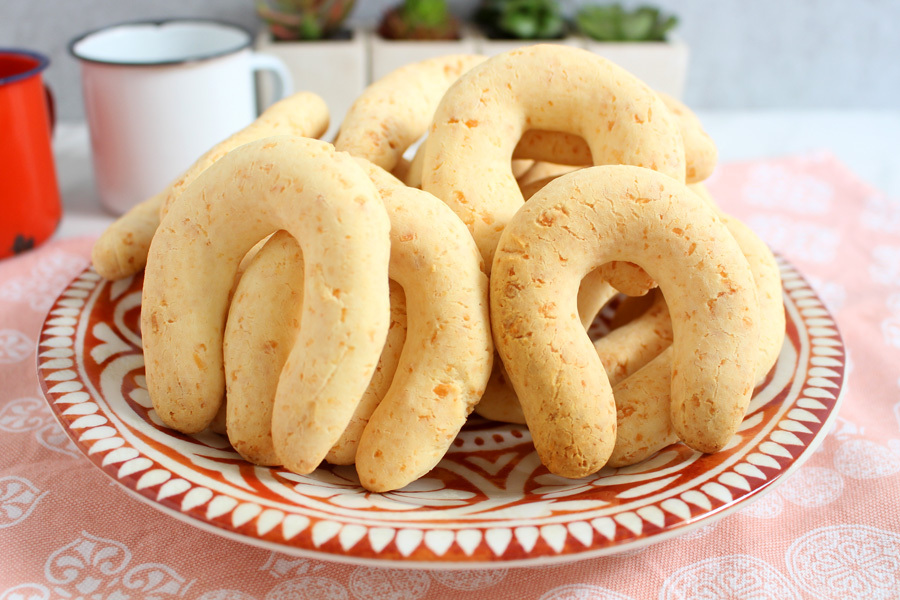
{"points": [[43, 62], [160, 23]]}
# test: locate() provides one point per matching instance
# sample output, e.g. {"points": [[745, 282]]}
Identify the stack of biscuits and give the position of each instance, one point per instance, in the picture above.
{"points": [[338, 302]]}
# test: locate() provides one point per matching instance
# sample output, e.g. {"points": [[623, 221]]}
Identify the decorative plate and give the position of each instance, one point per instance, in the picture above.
{"points": [[489, 500]]}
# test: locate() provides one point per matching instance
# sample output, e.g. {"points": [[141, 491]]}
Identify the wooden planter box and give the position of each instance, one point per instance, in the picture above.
{"points": [[661, 65], [389, 55], [491, 47], [337, 70]]}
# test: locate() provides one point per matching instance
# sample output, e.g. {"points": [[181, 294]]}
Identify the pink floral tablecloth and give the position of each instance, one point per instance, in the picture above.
{"points": [[832, 530]]}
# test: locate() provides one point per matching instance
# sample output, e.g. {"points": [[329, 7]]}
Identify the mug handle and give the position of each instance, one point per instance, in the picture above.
{"points": [[51, 107], [284, 83]]}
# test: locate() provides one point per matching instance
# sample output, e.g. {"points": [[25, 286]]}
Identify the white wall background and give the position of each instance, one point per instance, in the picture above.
{"points": [[802, 54]]}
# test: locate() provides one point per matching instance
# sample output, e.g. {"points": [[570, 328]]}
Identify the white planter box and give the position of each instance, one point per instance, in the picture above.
{"points": [[337, 70], [661, 65], [389, 55], [489, 47]]}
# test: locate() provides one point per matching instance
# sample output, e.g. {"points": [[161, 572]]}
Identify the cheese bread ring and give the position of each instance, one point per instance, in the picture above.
{"points": [[596, 287], [122, 249], [396, 110], [445, 325], [586, 219], [484, 114], [621, 352], [263, 322], [265, 332], [642, 400], [448, 352], [701, 154], [568, 152], [327, 203], [499, 402]]}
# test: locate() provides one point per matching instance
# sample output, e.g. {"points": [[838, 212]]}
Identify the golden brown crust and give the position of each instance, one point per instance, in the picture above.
{"points": [[644, 421], [122, 249], [588, 218], [324, 200], [258, 338], [484, 114], [446, 359]]}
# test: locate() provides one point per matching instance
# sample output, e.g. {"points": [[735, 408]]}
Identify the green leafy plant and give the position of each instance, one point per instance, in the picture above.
{"points": [[612, 23], [521, 19], [304, 19], [419, 20]]}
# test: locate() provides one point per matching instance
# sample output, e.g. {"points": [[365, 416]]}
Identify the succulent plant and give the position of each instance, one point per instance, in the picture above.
{"points": [[522, 19], [612, 23], [419, 20], [304, 19]]}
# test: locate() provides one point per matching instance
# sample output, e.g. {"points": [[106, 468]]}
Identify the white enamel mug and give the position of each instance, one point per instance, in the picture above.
{"points": [[159, 94]]}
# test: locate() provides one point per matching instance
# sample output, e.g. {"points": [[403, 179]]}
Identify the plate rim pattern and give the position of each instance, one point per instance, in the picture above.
{"points": [[477, 545]]}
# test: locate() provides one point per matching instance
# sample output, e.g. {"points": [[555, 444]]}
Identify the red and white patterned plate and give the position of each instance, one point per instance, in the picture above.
{"points": [[489, 501]]}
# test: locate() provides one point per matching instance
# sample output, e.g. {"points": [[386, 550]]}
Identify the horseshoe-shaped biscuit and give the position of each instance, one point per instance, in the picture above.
{"points": [[327, 203], [448, 352], [433, 383], [499, 402], [122, 249], [484, 114], [263, 322], [599, 286], [642, 400], [396, 110], [615, 213], [275, 275], [555, 153]]}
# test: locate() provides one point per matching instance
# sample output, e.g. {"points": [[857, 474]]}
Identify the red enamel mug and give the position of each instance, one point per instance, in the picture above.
{"points": [[30, 206]]}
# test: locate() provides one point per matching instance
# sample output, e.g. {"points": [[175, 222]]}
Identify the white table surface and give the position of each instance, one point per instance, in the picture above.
{"points": [[868, 142]]}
